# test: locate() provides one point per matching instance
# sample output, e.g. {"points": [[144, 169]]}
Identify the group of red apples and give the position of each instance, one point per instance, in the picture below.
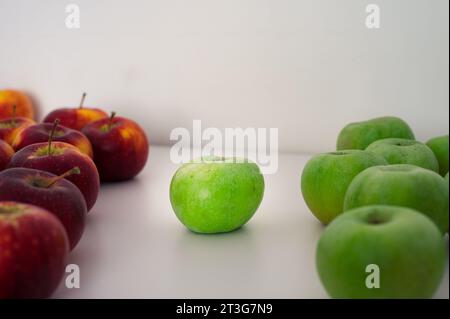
{"points": [[50, 175]]}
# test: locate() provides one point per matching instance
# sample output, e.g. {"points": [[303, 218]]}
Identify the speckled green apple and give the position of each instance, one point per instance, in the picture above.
{"points": [[439, 145], [402, 185], [403, 151], [403, 245], [326, 177], [359, 135], [216, 195]]}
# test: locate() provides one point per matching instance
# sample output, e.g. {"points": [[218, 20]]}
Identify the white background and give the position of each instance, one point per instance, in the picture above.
{"points": [[307, 67]]}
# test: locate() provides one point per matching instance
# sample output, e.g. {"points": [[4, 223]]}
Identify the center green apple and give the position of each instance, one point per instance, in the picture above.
{"points": [[326, 177], [381, 252], [401, 185], [403, 151], [216, 195]]}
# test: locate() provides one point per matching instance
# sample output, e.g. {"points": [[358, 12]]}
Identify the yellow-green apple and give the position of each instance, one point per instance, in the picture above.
{"points": [[58, 158], [120, 147], [326, 177], [403, 151], [43, 132], [53, 193], [216, 195], [381, 252], [401, 185], [76, 117], [11, 98], [439, 145], [33, 251], [359, 135], [6, 152]]}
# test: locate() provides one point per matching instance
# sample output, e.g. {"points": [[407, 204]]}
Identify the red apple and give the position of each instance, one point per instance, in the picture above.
{"points": [[53, 193], [43, 132], [33, 251], [6, 152], [76, 117], [58, 158], [9, 98], [11, 126], [120, 147]]}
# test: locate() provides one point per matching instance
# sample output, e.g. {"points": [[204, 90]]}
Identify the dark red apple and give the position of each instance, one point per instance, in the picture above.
{"points": [[53, 193], [76, 117], [43, 132], [120, 147], [58, 158], [6, 152], [33, 251]]}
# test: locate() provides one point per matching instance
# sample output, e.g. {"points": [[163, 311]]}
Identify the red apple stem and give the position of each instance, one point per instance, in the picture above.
{"points": [[111, 118], [83, 97], [52, 134], [73, 171]]}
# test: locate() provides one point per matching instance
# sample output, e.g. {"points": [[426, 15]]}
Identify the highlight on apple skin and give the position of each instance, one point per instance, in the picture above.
{"points": [[359, 135], [34, 249], [403, 250], [53, 193], [13, 98], [120, 147], [402, 185], [403, 151], [326, 177], [58, 158], [6, 153], [40, 133], [216, 195], [76, 117]]}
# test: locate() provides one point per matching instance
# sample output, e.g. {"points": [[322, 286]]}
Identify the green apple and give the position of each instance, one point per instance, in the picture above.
{"points": [[381, 252], [326, 177], [439, 145], [403, 151], [216, 195], [401, 185], [361, 134]]}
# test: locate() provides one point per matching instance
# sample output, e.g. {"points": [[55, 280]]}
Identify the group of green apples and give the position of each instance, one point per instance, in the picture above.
{"points": [[385, 200]]}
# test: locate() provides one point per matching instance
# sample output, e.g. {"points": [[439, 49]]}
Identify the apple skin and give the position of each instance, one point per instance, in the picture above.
{"points": [[403, 151], [63, 199], [120, 148], [9, 98], [217, 195], [63, 158], [406, 246], [76, 118], [326, 177], [40, 133], [359, 135], [10, 127], [402, 185], [34, 249], [439, 145], [6, 153]]}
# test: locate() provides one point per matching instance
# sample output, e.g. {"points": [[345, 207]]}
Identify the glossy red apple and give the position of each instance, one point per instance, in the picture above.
{"points": [[120, 147], [42, 132], [58, 158], [76, 117], [33, 251], [53, 193], [11, 126], [6, 152]]}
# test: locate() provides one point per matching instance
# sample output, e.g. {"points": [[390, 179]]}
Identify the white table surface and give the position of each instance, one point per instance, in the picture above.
{"points": [[135, 247]]}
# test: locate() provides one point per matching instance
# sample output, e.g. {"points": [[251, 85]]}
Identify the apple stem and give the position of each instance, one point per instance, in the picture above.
{"points": [[14, 111], [82, 100], [111, 118], [73, 171], [52, 134]]}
